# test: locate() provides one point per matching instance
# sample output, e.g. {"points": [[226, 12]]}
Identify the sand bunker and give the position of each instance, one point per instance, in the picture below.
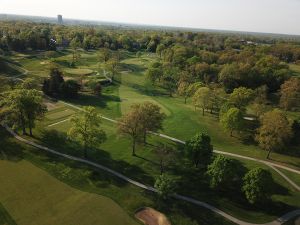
{"points": [[150, 216]]}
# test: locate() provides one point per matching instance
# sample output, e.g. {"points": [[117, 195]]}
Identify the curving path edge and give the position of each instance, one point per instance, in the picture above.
{"points": [[278, 221], [267, 163]]}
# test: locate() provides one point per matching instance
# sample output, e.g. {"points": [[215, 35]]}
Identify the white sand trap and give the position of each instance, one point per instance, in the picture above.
{"points": [[150, 216]]}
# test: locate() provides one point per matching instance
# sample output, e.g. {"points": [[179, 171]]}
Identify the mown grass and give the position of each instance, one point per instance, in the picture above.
{"points": [[182, 122], [295, 68], [36, 182]]}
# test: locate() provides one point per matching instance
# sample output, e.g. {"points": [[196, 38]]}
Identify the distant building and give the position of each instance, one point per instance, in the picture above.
{"points": [[59, 19]]}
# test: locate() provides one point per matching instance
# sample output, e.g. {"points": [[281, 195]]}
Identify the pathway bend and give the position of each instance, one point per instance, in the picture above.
{"points": [[278, 221]]}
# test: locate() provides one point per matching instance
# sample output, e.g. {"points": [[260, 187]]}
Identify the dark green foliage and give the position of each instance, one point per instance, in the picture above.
{"points": [[232, 120], [165, 186], [55, 86], [224, 173], [257, 186], [69, 89], [52, 85], [200, 150]]}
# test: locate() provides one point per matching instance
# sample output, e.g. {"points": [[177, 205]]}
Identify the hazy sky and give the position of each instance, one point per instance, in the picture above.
{"points": [[276, 16]]}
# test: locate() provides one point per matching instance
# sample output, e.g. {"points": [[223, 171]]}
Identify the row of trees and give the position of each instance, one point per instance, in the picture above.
{"points": [[22, 106]]}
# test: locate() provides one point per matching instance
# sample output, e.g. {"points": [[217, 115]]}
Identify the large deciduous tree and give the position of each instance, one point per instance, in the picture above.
{"points": [[104, 55], [52, 85], [199, 150], [290, 93], [223, 172], [23, 107], [112, 66], [240, 97], [152, 117], [232, 120], [257, 185], [202, 98], [132, 124], [86, 129], [275, 131]]}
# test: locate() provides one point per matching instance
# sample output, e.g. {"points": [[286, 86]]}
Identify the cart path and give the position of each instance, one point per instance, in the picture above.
{"points": [[278, 221]]}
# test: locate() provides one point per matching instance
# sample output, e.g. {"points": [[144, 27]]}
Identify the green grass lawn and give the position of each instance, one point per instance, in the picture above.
{"points": [[182, 122], [295, 68], [22, 192], [116, 153], [52, 188], [78, 72]]}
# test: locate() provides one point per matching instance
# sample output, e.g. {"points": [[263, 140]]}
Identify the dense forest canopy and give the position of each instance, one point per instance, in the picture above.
{"points": [[230, 59]]}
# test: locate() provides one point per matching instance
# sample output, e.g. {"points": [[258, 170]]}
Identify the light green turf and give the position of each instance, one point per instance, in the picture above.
{"points": [[296, 69], [79, 71], [182, 122], [32, 196]]}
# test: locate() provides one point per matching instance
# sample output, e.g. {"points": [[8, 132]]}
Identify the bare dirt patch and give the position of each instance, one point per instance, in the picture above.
{"points": [[150, 216]]}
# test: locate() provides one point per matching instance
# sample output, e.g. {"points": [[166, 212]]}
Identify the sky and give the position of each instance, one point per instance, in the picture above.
{"points": [[270, 16]]}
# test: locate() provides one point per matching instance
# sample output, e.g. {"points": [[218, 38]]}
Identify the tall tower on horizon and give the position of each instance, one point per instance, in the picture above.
{"points": [[59, 19]]}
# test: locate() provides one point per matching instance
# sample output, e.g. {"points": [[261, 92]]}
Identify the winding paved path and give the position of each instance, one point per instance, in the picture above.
{"points": [[278, 221], [267, 163]]}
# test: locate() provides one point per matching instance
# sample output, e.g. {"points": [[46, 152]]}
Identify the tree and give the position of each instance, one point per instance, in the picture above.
{"points": [[201, 98], [104, 55], [257, 185], [240, 97], [169, 78], [131, 124], [29, 83], [152, 117], [52, 85], [169, 83], [70, 89], [228, 76], [165, 155], [75, 44], [290, 93], [12, 109], [22, 108], [200, 150], [113, 67], [154, 74], [183, 90], [275, 131], [86, 129], [232, 120], [33, 107], [223, 172], [165, 186]]}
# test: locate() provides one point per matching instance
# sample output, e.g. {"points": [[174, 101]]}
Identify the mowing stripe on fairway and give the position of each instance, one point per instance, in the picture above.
{"points": [[54, 124]]}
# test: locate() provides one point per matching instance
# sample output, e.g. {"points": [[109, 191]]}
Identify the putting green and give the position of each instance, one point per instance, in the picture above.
{"points": [[79, 71], [32, 196]]}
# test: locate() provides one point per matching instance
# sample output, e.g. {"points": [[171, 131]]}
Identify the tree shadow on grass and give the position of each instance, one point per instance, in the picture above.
{"points": [[58, 142], [9, 150], [91, 100], [146, 90]]}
